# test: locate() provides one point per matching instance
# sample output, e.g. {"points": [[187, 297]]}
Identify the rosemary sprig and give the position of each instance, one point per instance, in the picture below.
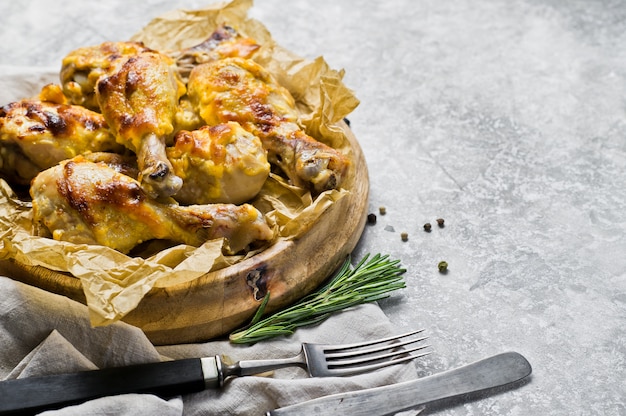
{"points": [[370, 280]]}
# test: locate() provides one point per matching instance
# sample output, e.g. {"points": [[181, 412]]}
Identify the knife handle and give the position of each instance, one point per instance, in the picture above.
{"points": [[165, 379]]}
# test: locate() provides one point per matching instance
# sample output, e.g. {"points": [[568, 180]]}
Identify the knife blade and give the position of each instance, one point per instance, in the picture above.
{"points": [[487, 373]]}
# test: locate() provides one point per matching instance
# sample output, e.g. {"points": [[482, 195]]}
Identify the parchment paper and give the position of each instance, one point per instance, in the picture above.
{"points": [[115, 283]]}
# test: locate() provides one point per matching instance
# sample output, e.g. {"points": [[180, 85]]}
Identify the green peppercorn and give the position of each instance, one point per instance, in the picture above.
{"points": [[443, 267], [382, 210]]}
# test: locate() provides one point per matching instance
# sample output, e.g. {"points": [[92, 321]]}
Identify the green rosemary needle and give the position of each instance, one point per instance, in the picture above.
{"points": [[370, 280]]}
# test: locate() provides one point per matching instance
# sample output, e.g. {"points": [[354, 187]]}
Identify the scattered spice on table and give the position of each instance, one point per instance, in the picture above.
{"points": [[371, 218], [404, 236], [440, 222], [443, 266], [382, 210], [427, 227]]}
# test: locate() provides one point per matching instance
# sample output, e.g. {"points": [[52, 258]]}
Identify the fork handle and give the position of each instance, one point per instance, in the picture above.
{"points": [[165, 379], [253, 367]]}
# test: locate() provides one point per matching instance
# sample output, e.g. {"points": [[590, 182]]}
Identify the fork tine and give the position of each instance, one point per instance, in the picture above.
{"points": [[368, 343], [325, 360], [354, 362], [375, 366], [356, 353]]}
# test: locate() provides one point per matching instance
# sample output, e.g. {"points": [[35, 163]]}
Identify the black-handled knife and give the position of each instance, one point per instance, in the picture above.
{"points": [[171, 378]]}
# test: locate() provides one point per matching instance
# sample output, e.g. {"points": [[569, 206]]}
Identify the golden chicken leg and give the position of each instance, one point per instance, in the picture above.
{"points": [[36, 135], [139, 100], [236, 89], [91, 203], [82, 68], [221, 163]]}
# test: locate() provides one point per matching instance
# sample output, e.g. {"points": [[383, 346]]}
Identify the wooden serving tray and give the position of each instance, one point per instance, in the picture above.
{"points": [[221, 301]]}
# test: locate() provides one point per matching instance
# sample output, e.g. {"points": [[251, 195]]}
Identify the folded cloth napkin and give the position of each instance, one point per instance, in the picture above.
{"points": [[43, 333]]}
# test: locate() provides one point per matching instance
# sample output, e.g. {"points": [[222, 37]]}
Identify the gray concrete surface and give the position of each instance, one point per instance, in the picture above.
{"points": [[505, 118]]}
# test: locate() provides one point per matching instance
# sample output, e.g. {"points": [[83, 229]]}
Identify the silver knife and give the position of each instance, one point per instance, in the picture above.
{"points": [[490, 372]]}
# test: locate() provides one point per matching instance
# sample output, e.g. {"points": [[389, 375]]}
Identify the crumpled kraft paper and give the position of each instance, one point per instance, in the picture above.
{"points": [[114, 283]]}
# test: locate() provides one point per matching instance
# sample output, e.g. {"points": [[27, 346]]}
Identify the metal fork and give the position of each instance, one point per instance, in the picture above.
{"points": [[322, 360], [172, 378]]}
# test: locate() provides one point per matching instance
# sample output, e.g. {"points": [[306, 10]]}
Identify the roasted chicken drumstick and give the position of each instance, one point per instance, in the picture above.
{"points": [[139, 100], [221, 163], [36, 135], [137, 90], [237, 89], [92, 203], [82, 68]]}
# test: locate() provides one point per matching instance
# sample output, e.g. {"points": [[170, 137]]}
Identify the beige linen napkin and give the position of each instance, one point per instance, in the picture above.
{"points": [[44, 333]]}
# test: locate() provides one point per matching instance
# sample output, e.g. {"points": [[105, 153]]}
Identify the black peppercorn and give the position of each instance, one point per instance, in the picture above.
{"points": [[427, 227]]}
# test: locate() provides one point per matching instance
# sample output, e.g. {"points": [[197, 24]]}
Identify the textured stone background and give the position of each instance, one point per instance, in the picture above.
{"points": [[507, 119]]}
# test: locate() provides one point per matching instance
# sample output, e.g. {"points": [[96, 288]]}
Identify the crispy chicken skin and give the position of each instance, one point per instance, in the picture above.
{"points": [[124, 164], [36, 135], [218, 164], [82, 68], [236, 89], [85, 202], [139, 100]]}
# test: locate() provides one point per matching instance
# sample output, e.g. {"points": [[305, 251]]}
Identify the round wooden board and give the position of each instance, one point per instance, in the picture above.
{"points": [[219, 302]]}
